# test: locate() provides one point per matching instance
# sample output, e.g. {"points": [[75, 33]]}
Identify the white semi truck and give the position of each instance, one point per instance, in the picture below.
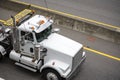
{"points": [[32, 43]]}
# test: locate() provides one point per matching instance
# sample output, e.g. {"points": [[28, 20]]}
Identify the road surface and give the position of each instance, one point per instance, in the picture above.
{"points": [[106, 11], [96, 67]]}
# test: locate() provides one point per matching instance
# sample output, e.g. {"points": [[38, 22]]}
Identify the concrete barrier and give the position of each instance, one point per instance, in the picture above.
{"points": [[98, 29]]}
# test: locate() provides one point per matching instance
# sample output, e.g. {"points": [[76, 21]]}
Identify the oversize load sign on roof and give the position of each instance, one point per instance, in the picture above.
{"points": [[19, 16]]}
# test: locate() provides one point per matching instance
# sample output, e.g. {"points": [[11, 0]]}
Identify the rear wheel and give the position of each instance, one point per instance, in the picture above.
{"points": [[50, 74]]}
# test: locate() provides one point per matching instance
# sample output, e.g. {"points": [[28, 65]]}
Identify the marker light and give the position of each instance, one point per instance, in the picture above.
{"points": [[53, 63], [33, 11], [41, 22], [32, 27], [17, 21]]}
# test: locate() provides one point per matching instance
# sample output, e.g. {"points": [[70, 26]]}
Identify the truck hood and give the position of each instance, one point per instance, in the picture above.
{"points": [[62, 44]]}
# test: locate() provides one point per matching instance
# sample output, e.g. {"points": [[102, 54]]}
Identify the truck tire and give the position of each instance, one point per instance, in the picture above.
{"points": [[50, 74], [1, 56]]}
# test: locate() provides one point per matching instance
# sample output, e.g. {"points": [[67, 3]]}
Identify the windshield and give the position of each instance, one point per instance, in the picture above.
{"points": [[44, 34]]}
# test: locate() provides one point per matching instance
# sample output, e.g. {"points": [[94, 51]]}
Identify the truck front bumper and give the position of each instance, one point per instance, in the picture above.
{"points": [[77, 69]]}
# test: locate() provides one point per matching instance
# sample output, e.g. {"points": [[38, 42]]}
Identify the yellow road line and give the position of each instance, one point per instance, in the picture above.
{"points": [[101, 53], [69, 15]]}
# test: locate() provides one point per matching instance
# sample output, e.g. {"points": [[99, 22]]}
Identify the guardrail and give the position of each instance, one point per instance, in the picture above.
{"points": [[98, 29]]}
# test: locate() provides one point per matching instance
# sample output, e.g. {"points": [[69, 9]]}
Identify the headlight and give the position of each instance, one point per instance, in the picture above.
{"points": [[83, 54]]}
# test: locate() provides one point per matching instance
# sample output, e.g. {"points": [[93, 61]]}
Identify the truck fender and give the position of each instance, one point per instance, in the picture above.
{"points": [[2, 50], [56, 65]]}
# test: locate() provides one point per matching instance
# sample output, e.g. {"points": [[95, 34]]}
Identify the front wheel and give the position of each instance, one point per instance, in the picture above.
{"points": [[1, 56], [50, 74]]}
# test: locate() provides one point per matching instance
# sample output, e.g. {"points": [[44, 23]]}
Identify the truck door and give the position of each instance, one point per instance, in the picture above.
{"points": [[27, 44]]}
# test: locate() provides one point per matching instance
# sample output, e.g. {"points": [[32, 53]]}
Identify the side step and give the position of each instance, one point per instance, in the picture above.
{"points": [[26, 67]]}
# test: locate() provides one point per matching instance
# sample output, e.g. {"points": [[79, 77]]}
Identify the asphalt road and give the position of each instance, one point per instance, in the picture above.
{"points": [[107, 11], [96, 67]]}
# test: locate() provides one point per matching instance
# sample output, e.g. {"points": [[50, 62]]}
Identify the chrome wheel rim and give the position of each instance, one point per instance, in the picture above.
{"points": [[51, 76]]}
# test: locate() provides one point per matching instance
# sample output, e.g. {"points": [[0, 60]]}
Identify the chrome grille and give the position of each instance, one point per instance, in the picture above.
{"points": [[77, 58]]}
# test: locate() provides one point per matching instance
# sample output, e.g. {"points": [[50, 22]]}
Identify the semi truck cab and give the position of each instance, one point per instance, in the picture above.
{"points": [[37, 47]]}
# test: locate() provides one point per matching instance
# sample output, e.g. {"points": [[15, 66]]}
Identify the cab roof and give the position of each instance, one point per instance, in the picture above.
{"points": [[37, 23]]}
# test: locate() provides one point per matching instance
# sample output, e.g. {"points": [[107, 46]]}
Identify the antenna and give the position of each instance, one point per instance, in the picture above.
{"points": [[50, 17], [46, 4]]}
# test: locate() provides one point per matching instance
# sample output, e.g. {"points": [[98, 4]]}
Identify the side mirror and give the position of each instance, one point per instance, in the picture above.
{"points": [[56, 30], [44, 50]]}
